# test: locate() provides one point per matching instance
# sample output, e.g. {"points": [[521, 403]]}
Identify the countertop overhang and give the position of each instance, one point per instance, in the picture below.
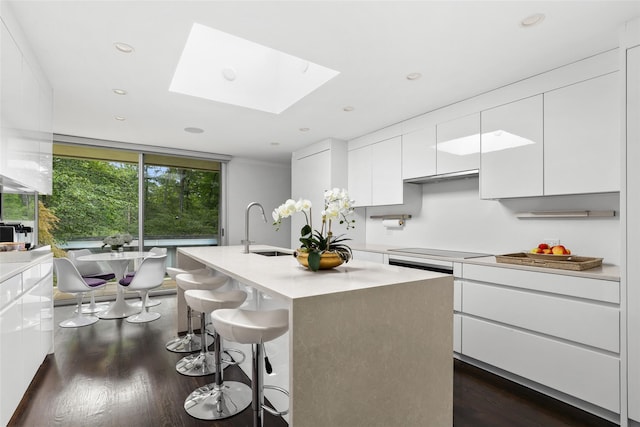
{"points": [[282, 275]]}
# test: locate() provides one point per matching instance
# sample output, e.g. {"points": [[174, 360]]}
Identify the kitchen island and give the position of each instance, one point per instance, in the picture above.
{"points": [[368, 344]]}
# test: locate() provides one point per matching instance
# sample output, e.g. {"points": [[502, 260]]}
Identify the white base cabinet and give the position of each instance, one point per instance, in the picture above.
{"points": [[559, 331], [26, 330], [585, 374]]}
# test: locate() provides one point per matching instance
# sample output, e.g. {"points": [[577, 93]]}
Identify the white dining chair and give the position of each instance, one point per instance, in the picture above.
{"points": [[70, 281], [149, 275], [90, 270], [155, 251]]}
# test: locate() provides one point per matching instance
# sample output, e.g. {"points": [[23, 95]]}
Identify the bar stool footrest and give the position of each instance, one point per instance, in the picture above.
{"points": [[233, 361], [273, 411]]}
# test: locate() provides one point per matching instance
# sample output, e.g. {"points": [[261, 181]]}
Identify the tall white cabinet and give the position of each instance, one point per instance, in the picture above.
{"points": [[315, 169], [630, 223]]}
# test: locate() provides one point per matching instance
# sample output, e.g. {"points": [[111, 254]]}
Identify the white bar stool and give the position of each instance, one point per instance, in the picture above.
{"points": [[255, 328], [220, 399], [206, 301], [201, 279]]}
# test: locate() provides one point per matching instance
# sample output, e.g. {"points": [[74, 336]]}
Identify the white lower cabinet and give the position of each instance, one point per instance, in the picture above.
{"points": [[558, 331], [588, 375], [457, 333], [12, 385], [26, 331], [590, 324]]}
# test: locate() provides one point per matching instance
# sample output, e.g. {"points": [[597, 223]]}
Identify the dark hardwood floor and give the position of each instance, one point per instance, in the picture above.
{"points": [[118, 374]]}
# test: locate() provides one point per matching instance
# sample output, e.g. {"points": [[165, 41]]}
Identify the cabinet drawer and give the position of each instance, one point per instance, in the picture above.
{"points": [[586, 323], [581, 287], [46, 268], [10, 289], [457, 295], [30, 277], [457, 333], [585, 374]]}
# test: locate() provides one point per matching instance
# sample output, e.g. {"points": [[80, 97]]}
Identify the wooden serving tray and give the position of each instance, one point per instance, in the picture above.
{"points": [[576, 263]]}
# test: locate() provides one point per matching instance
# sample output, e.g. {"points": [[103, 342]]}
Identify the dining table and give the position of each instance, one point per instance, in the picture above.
{"points": [[118, 262]]}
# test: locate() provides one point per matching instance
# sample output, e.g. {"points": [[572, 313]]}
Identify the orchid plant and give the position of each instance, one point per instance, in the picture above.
{"points": [[337, 207]]}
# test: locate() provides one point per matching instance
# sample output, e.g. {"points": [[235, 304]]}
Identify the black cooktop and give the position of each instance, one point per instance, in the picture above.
{"points": [[439, 252]]}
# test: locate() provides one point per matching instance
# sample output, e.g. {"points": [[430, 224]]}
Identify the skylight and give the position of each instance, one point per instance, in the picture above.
{"points": [[222, 67]]}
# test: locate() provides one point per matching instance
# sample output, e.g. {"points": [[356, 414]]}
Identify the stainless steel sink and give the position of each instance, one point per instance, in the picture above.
{"points": [[271, 253]]}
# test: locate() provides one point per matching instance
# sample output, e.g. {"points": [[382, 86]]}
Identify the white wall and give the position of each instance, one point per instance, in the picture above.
{"points": [[256, 181], [450, 215]]}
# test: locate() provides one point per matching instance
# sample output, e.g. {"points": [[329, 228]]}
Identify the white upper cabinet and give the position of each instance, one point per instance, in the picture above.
{"points": [[10, 69], [512, 150], [582, 137], [26, 119], [458, 144], [419, 153], [386, 173], [359, 169], [375, 174]]}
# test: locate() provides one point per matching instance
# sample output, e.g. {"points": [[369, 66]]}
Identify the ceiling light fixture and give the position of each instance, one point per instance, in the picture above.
{"points": [[413, 76], [120, 91], [348, 108], [275, 144], [193, 130], [532, 20], [304, 129], [229, 73], [120, 118], [123, 47]]}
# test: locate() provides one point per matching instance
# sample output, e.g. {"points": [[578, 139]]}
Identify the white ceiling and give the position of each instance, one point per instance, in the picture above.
{"points": [[461, 49]]}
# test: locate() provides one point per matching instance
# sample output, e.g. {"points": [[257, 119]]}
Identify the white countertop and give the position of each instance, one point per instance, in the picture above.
{"points": [[605, 272], [283, 276], [9, 267]]}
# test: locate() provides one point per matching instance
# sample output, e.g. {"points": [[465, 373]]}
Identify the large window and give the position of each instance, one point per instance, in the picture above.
{"points": [[93, 199], [181, 198], [96, 194]]}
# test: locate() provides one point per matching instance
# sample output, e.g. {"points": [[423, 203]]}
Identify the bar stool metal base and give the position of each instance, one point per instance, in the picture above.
{"points": [[189, 343], [201, 364], [212, 402]]}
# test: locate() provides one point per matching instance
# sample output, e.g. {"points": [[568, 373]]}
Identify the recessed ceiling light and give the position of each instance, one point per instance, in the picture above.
{"points": [[304, 129], [120, 91], [120, 118], [413, 76], [348, 108], [229, 73], [532, 20], [193, 130], [123, 47], [275, 144], [271, 80]]}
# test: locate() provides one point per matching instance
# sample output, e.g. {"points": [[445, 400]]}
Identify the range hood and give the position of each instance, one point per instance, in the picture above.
{"points": [[444, 177]]}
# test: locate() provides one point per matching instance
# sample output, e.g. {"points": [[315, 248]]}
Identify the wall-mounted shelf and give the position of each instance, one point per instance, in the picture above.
{"points": [[566, 214]]}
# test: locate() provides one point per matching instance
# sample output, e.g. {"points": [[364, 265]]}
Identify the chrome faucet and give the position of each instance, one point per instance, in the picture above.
{"points": [[246, 240]]}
